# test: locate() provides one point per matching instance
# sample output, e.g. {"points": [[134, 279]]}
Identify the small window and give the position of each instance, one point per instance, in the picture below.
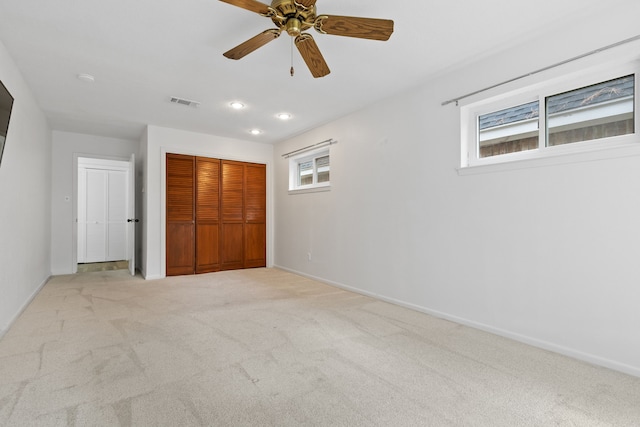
{"points": [[593, 112], [509, 130], [305, 173], [310, 171], [553, 119], [322, 168]]}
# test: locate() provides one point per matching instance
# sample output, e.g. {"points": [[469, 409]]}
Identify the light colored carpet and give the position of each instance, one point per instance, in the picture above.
{"points": [[267, 348]]}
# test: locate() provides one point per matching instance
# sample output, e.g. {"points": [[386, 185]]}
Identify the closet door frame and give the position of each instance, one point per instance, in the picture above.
{"points": [[112, 221], [161, 221]]}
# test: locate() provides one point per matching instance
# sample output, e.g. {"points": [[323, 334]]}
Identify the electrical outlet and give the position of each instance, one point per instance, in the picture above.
{"points": [[308, 256]]}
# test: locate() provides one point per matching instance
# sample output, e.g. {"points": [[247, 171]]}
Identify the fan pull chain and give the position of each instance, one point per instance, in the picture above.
{"points": [[292, 71]]}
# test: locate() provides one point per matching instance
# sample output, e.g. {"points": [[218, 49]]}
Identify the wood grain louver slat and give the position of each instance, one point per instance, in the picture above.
{"points": [[207, 215], [255, 235], [179, 189], [208, 189], [255, 194], [232, 191], [232, 215], [180, 250]]}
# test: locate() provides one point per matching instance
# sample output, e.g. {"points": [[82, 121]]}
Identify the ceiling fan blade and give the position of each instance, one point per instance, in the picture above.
{"points": [[243, 49], [252, 5], [349, 26], [306, 3], [311, 55]]}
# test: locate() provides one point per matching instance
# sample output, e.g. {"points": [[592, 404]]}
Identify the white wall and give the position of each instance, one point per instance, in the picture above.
{"points": [[160, 141], [545, 255], [64, 191], [141, 203], [25, 198]]}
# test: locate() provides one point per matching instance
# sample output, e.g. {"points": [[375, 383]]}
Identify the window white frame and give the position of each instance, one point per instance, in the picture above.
{"points": [[294, 176], [471, 112]]}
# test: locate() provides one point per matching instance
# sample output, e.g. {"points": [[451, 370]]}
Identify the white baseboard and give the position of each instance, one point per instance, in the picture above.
{"points": [[6, 327], [556, 348], [61, 272], [153, 276], [146, 276]]}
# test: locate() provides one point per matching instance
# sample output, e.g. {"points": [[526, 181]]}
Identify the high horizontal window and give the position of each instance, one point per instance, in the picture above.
{"points": [[310, 170], [598, 111], [550, 120], [322, 169], [509, 130], [305, 173]]}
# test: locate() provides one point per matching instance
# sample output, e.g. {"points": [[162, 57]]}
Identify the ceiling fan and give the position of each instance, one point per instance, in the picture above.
{"points": [[296, 16]]}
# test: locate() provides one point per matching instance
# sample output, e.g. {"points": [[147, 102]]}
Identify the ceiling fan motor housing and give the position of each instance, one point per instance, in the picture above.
{"points": [[293, 17]]}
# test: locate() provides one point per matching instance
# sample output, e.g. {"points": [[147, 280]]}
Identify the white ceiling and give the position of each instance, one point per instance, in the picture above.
{"points": [[142, 52]]}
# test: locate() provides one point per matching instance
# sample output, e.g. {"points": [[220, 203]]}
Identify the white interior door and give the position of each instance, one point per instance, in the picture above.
{"points": [[96, 208], [131, 228], [82, 215], [117, 211], [103, 210]]}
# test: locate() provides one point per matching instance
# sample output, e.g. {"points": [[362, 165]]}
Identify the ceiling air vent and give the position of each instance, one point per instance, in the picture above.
{"points": [[186, 102]]}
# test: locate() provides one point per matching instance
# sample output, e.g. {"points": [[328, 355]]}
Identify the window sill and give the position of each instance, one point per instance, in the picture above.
{"points": [[623, 150], [317, 189]]}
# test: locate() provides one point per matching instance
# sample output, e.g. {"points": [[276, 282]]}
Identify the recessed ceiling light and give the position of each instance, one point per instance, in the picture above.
{"points": [[284, 116], [256, 131], [88, 78], [237, 105]]}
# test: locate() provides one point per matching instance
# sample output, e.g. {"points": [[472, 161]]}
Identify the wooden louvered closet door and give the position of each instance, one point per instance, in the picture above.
{"points": [[207, 215], [180, 215], [255, 205], [232, 194], [216, 215]]}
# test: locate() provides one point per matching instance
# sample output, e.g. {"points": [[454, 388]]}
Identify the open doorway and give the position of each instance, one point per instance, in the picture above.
{"points": [[105, 214]]}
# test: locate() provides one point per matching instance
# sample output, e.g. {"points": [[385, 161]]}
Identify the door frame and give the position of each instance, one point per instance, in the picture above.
{"points": [[74, 205]]}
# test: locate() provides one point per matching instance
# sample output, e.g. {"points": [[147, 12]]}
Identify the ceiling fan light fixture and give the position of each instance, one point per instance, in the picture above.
{"points": [[293, 27]]}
